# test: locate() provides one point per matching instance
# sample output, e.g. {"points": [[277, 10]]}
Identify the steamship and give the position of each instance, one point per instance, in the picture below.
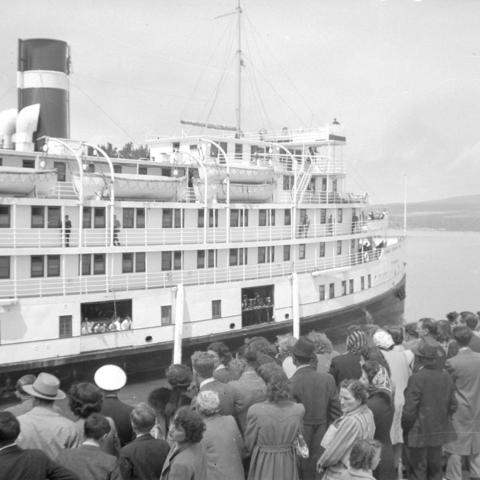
{"points": [[213, 237]]}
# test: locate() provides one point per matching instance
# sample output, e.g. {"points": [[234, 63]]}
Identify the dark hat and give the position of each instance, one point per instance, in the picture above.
{"points": [[304, 348], [424, 350]]}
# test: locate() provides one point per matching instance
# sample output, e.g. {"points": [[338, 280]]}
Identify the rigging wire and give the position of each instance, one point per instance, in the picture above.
{"points": [[102, 110]]}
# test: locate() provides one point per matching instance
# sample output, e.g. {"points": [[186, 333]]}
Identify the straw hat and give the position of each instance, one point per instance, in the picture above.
{"points": [[45, 386], [110, 378]]}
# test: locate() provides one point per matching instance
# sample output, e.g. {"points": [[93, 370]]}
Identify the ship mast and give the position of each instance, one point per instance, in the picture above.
{"points": [[239, 69]]}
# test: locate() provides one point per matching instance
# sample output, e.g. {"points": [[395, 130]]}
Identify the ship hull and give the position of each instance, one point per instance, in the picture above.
{"points": [[386, 309]]}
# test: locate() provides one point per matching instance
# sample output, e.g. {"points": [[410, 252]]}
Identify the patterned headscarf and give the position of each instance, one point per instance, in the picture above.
{"points": [[355, 341], [383, 340]]}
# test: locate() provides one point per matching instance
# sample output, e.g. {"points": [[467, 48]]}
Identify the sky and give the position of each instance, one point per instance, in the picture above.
{"points": [[401, 76]]}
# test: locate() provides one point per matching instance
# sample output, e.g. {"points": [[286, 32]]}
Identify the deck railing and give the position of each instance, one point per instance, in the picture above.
{"points": [[151, 236], [76, 285]]}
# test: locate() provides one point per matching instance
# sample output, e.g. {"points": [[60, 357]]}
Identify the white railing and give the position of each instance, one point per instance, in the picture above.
{"points": [[145, 237], [310, 196], [78, 285]]}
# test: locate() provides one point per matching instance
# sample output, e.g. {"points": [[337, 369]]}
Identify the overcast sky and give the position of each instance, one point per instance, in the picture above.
{"points": [[402, 76]]}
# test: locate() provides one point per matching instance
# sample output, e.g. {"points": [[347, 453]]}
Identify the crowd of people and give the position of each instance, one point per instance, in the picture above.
{"points": [[401, 402]]}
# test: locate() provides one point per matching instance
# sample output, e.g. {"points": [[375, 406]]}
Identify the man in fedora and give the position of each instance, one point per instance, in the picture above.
{"points": [[19, 464], [111, 379], [427, 414], [43, 427], [318, 394]]}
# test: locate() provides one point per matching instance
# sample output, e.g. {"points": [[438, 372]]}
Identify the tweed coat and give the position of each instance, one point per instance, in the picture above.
{"points": [[429, 404], [188, 462], [465, 371], [19, 464], [226, 393]]}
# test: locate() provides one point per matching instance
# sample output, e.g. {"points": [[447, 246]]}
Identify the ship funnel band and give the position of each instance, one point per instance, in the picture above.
{"points": [[42, 79]]}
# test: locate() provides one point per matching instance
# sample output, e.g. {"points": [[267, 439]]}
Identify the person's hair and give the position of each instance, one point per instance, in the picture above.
{"points": [[9, 428], [321, 341], [96, 426], [286, 343], [24, 380], [222, 351], [203, 363], [262, 345], [371, 368], [250, 356], [462, 334], [278, 387], [428, 324], [374, 353], [191, 422], [397, 334], [411, 329], [268, 370], [159, 398], [207, 403], [84, 399], [363, 453], [179, 375], [356, 388], [142, 418], [444, 331], [452, 316], [469, 319]]}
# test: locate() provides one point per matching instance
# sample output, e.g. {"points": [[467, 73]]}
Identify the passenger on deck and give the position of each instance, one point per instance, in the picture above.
{"points": [[126, 323]]}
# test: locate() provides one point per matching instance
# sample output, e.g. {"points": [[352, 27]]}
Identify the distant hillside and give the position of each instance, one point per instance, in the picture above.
{"points": [[455, 213]]}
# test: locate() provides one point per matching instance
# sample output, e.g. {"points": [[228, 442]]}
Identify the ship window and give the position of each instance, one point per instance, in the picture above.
{"points": [[323, 215], [287, 219], [1, 161], [140, 218], [176, 146], [351, 286], [238, 150], [54, 216], [117, 168], [28, 163], [4, 267], [340, 215], [128, 218], [166, 172], [288, 181], [352, 245], [61, 171], [369, 280], [362, 282], [239, 218], [324, 184], [177, 260], [142, 170], [286, 253], [266, 217], [266, 254], [213, 150], [234, 214], [140, 262], [331, 293], [177, 215], [339, 247], [216, 309], [38, 217], [201, 218], [238, 256], [334, 185], [166, 261], [200, 258], [167, 218], [212, 258], [53, 265], [87, 217], [37, 266], [212, 215], [99, 217], [99, 264], [193, 147], [344, 287], [127, 263], [4, 216], [233, 257], [166, 315], [65, 326], [86, 264], [224, 147], [261, 254], [321, 292], [301, 251], [322, 249]]}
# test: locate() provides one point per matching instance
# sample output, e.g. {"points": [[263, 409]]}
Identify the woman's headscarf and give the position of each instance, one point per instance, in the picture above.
{"points": [[381, 382], [356, 340], [383, 340]]}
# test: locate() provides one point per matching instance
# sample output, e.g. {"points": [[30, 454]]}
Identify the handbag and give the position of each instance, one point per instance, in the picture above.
{"points": [[301, 447]]}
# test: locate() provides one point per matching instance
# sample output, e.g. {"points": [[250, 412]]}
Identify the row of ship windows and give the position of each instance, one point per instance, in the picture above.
{"points": [[49, 265], [65, 321], [51, 217]]}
